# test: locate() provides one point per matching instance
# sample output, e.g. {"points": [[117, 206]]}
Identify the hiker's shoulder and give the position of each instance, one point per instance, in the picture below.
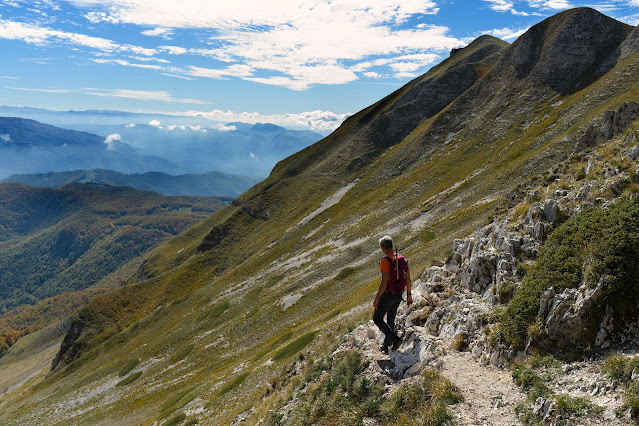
{"points": [[385, 264]]}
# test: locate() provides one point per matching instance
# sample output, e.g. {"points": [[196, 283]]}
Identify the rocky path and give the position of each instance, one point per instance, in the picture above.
{"points": [[490, 396]]}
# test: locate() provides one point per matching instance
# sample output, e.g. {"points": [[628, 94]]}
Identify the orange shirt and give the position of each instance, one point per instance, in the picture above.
{"points": [[384, 265]]}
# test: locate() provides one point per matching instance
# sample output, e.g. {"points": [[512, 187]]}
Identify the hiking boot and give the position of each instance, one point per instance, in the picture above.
{"points": [[396, 343], [384, 349]]}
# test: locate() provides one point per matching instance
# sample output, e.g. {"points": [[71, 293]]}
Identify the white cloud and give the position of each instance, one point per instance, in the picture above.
{"points": [[148, 59], [37, 35], [155, 123], [252, 155], [5, 137], [165, 33], [126, 63], [320, 121], [143, 95], [505, 6], [111, 139], [29, 89], [129, 125], [223, 128], [631, 19], [174, 50], [231, 71], [372, 74], [291, 43], [7, 77], [550, 4], [506, 33], [176, 76]]}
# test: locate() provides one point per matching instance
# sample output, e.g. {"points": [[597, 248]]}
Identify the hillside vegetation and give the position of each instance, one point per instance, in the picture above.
{"points": [[58, 247], [227, 312]]}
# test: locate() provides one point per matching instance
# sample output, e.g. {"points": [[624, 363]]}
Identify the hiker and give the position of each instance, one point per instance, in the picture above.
{"points": [[395, 276]]}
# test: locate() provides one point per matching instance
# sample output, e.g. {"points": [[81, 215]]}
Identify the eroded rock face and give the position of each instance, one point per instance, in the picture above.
{"points": [[570, 315], [613, 123], [630, 45], [427, 97], [69, 347], [548, 51]]}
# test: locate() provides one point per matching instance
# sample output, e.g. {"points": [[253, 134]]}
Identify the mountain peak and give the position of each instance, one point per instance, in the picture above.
{"points": [[569, 50]]}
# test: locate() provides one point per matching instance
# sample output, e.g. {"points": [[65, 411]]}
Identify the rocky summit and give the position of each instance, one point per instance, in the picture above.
{"points": [[495, 173]]}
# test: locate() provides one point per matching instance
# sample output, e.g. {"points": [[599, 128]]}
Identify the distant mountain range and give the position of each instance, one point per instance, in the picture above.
{"points": [[29, 146], [82, 238], [211, 183]]}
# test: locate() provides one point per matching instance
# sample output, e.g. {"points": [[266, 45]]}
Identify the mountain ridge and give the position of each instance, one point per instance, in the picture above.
{"points": [[210, 184]]}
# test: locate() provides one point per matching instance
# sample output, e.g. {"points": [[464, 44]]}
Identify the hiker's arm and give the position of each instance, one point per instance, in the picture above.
{"points": [[409, 285], [382, 287]]}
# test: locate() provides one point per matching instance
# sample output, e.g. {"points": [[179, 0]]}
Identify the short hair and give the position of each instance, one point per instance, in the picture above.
{"points": [[386, 242]]}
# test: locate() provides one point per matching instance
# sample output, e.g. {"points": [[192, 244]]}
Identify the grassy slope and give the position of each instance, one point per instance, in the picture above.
{"points": [[213, 320]]}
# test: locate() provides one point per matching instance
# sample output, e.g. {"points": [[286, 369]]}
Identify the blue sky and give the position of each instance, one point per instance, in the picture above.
{"points": [[306, 63]]}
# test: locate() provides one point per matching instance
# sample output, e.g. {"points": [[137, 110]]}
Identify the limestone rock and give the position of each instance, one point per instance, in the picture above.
{"points": [[570, 313], [613, 123], [551, 211], [633, 153]]}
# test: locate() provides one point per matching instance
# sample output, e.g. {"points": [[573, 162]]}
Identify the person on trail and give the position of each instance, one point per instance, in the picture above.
{"points": [[395, 277]]}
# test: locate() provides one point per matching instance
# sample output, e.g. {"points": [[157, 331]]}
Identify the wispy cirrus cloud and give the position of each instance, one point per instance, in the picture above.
{"points": [[141, 95]]}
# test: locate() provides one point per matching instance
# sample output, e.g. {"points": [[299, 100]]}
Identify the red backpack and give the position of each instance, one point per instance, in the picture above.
{"points": [[397, 278]]}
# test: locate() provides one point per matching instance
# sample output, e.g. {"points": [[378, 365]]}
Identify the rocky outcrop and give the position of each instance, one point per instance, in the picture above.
{"points": [[613, 123], [213, 239], [630, 45], [69, 347], [548, 52], [567, 317]]}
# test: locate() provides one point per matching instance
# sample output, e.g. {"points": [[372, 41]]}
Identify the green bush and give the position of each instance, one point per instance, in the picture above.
{"points": [[597, 245]]}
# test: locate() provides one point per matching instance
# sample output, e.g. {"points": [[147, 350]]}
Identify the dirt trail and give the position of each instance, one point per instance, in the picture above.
{"points": [[490, 396]]}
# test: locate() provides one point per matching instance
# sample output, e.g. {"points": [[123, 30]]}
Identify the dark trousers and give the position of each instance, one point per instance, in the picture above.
{"points": [[387, 305]]}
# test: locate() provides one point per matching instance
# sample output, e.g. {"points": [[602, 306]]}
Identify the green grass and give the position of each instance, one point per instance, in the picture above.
{"points": [[535, 377], [336, 392], [177, 420], [295, 346], [233, 384], [130, 379], [171, 402], [128, 367]]}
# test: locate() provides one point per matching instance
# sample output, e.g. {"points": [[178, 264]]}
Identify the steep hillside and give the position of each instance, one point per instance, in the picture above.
{"points": [[228, 310], [27, 146], [60, 246], [211, 183]]}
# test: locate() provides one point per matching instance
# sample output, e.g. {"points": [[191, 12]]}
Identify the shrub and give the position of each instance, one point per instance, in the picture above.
{"points": [[596, 246]]}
